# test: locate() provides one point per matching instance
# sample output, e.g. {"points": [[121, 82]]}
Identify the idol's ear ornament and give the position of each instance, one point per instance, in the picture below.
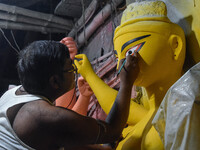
{"points": [[176, 44]]}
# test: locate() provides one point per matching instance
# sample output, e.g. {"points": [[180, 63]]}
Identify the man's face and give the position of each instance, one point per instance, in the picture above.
{"points": [[69, 75], [153, 49]]}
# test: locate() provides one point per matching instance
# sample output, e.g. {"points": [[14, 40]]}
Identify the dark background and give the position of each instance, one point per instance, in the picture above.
{"points": [[8, 56]]}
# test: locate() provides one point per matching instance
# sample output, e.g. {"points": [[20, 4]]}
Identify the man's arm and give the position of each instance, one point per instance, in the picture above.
{"points": [[118, 115]]}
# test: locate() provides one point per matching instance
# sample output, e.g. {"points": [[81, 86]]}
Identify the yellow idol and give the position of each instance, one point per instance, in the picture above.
{"points": [[160, 43]]}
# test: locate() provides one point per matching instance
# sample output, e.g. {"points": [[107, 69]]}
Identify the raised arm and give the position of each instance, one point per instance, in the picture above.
{"points": [[118, 115]]}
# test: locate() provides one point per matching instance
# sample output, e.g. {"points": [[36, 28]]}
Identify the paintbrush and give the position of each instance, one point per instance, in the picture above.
{"points": [[121, 67]]}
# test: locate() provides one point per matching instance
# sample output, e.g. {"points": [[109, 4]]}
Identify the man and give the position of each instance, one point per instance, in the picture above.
{"points": [[28, 118]]}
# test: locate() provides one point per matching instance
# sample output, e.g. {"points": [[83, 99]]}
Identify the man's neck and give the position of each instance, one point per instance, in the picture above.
{"points": [[21, 91]]}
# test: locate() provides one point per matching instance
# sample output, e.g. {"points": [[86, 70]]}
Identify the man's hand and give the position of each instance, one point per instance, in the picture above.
{"points": [[71, 44], [84, 67], [84, 87], [130, 70]]}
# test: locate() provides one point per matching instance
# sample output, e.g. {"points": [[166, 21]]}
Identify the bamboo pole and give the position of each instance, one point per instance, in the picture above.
{"points": [[37, 15], [29, 20], [23, 26]]}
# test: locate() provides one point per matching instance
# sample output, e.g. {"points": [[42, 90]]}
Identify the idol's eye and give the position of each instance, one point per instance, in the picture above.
{"points": [[133, 49], [115, 52], [130, 51]]}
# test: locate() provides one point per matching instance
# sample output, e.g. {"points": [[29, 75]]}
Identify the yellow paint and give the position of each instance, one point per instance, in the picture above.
{"points": [[161, 60]]}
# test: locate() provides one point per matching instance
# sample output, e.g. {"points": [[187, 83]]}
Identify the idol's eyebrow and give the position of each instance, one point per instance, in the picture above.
{"points": [[134, 40]]}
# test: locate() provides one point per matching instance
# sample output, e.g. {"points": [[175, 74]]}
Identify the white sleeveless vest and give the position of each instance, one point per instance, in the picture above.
{"points": [[8, 138]]}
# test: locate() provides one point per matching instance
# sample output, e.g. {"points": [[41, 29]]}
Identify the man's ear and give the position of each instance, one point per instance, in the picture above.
{"points": [[54, 81], [176, 44]]}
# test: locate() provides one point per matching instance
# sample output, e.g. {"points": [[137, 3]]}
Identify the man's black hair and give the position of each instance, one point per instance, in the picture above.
{"points": [[38, 62]]}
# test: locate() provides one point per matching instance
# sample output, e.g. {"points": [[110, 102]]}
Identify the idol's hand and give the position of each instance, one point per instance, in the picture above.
{"points": [[84, 67], [71, 45], [129, 69], [84, 87]]}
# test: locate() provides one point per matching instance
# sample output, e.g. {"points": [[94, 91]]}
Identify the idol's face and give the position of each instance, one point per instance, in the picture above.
{"points": [[154, 54]]}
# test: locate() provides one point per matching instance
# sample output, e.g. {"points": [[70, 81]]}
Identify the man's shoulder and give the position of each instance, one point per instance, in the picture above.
{"points": [[37, 108], [43, 112]]}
